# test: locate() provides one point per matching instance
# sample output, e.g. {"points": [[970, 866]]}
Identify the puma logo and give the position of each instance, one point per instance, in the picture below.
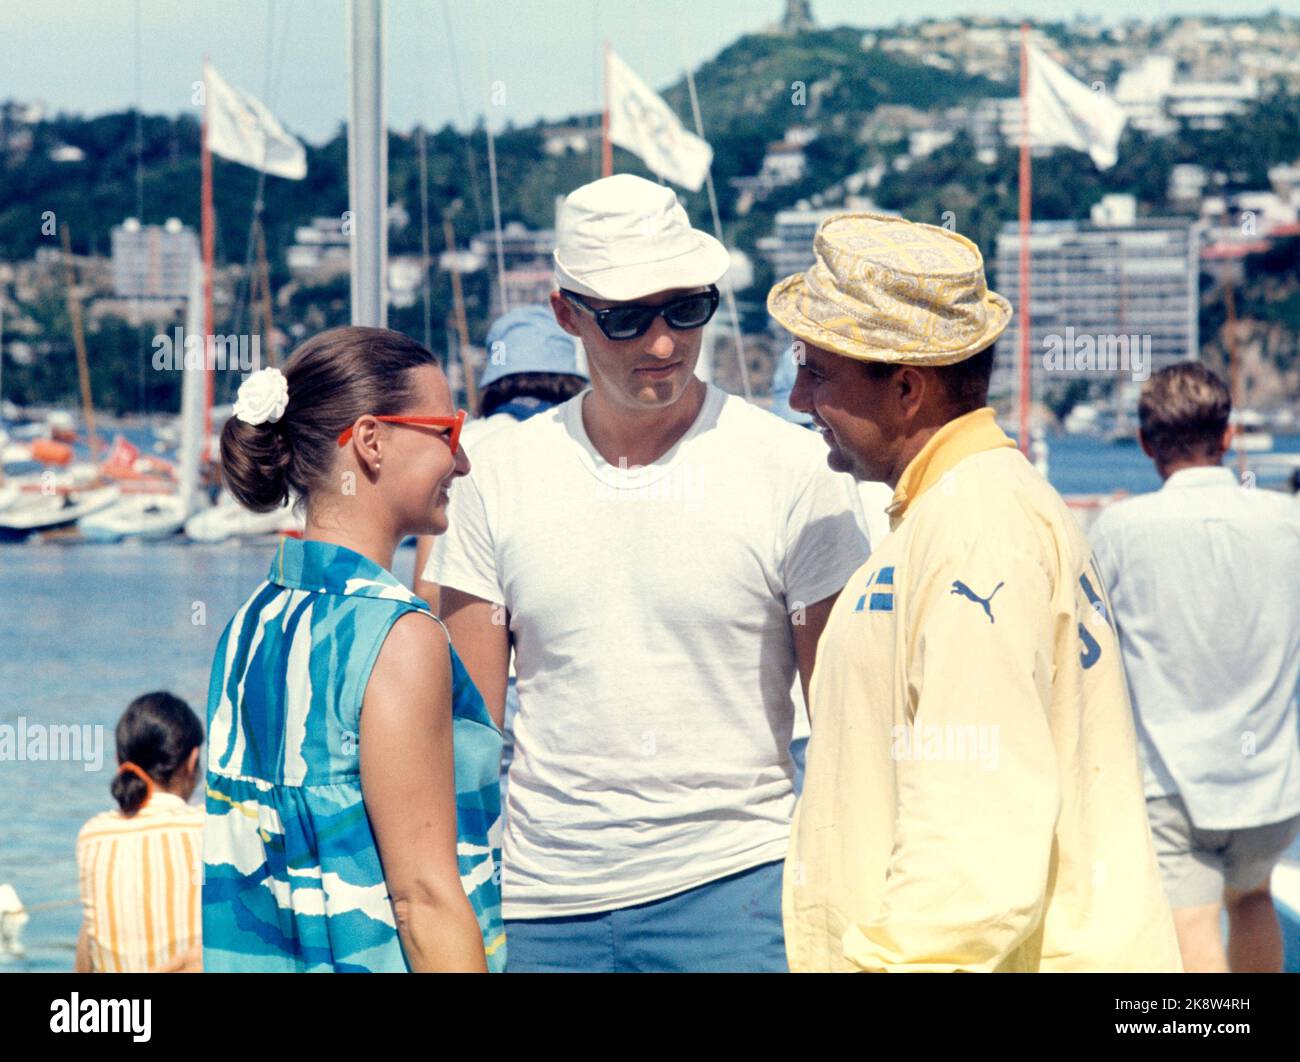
{"points": [[958, 587]]}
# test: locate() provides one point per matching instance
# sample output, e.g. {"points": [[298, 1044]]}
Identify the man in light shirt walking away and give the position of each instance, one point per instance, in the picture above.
{"points": [[1204, 577], [973, 798], [661, 556]]}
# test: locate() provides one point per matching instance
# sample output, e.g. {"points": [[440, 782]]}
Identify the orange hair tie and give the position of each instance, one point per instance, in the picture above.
{"points": [[143, 775]]}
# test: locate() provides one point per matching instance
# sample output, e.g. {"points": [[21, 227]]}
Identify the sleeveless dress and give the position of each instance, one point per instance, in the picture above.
{"points": [[292, 877]]}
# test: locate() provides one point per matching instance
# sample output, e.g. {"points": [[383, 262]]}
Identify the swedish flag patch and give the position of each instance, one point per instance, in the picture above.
{"points": [[878, 594]]}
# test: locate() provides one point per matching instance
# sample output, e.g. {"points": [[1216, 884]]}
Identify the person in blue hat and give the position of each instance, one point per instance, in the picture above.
{"points": [[532, 365]]}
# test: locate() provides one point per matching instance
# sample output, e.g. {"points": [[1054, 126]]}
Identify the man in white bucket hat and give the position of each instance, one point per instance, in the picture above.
{"points": [[972, 799], [661, 556]]}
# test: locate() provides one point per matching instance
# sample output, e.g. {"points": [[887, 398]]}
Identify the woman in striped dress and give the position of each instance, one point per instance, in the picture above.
{"points": [[140, 867], [353, 805]]}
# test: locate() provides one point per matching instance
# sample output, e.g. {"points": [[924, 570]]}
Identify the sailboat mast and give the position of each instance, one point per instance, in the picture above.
{"points": [[79, 343], [1234, 368], [208, 239], [367, 162], [1026, 178], [1121, 415], [606, 146], [462, 327], [263, 302], [195, 411]]}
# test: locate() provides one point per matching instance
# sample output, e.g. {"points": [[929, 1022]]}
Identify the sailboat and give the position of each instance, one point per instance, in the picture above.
{"points": [[161, 513], [48, 511], [54, 501], [142, 516], [228, 519]]}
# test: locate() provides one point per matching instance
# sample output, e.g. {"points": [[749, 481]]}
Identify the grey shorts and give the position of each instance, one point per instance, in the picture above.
{"points": [[1197, 865]]}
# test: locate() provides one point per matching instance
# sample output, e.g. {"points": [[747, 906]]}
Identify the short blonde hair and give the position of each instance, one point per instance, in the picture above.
{"points": [[1183, 412]]}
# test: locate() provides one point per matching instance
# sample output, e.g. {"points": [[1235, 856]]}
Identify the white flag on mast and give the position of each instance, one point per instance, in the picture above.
{"points": [[641, 122], [1064, 112], [241, 129]]}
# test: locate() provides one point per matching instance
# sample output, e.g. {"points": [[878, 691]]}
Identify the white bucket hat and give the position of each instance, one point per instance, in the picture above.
{"points": [[624, 237]]}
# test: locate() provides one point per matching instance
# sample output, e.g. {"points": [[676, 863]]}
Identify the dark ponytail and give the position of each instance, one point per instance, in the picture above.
{"points": [[255, 462], [333, 378], [157, 733]]}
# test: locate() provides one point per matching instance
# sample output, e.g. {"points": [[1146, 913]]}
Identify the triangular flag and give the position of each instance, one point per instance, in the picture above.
{"points": [[641, 122], [241, 129], [1064, 112]]}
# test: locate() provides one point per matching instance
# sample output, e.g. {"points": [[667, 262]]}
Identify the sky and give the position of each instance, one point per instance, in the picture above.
{"points": [[99, 56]]}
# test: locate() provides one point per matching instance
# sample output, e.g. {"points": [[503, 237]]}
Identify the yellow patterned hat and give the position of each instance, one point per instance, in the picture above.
{"points": [[887, 289]]}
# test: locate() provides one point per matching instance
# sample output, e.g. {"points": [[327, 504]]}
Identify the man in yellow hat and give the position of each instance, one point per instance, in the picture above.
{"points": [[973, 798]]}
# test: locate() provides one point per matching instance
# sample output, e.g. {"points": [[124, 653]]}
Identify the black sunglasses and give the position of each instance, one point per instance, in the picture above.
{"points": [[632, 319]]}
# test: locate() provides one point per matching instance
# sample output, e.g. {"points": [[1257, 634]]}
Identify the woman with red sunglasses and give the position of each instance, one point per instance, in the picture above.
{"points": [[352, 795]]}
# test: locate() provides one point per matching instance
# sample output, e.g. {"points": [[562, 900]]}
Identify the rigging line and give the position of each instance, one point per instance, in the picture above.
{"points": [[464, 118], [426, 285], [496, 192], [139, 187], [717, 228], [244, 288], [139, 122], [644, 35], [424, 236], [597, 89]]}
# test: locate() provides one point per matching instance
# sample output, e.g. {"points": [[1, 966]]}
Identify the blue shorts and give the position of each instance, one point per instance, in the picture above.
{"points": [[729, 925]]}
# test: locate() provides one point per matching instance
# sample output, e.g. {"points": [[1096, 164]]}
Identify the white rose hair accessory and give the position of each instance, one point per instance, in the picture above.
{"points": [[263, 397]]}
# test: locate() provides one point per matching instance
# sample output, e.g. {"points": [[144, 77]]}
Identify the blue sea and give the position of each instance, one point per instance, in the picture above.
{"points": [[89, 627]]}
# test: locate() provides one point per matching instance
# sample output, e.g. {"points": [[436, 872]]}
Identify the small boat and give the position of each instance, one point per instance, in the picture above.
{"points": [[1252, 441], [140, 516], [1286, 899], [15, 453], [125, 463], [228, 519], [51, 452], [28, 430], [1250, 433], [78, 476], [41, 511], [61, 427], [13, 916], [1084, 419]]}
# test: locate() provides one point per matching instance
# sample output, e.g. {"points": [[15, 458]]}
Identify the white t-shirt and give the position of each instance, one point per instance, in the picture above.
{"points": [[478, 429], [650, 610], [874, 498]]}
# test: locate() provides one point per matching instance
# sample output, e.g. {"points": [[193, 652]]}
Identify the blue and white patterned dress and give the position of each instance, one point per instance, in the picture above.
{"points": [[292, 878]]}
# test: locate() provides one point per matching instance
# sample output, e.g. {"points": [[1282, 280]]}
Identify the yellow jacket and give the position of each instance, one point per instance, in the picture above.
{"points": [[973, 798]]}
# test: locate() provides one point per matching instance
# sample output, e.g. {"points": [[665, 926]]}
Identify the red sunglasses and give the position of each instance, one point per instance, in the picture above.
{"points": [[454, 423]]}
